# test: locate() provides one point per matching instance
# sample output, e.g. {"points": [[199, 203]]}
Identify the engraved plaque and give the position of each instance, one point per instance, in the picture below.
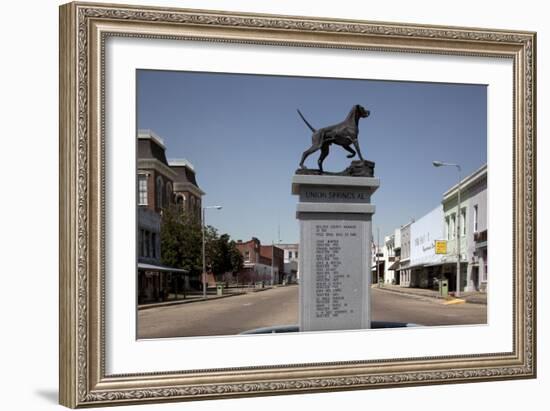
{"points": [[335, 248], [335, 276]]}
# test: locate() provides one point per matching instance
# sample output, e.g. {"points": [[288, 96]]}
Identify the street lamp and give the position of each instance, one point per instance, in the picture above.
{"points": [[204, 247], [442, 164]]}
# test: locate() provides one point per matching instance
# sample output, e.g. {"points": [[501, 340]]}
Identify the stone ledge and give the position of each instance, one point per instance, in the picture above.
{"points": [[341, 181], [346, 208]]}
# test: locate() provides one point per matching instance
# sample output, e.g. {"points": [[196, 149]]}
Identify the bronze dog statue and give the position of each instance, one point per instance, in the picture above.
{"points": [[343, 134]]}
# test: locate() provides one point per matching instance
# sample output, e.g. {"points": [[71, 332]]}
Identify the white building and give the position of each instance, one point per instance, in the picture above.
{"points": [[291, 261], [424, 262], [388, 252], [473, 230], [404, 274]]}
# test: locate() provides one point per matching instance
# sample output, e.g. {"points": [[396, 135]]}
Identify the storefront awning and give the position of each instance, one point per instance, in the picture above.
{"points": [[394, 266], [154, 267]]}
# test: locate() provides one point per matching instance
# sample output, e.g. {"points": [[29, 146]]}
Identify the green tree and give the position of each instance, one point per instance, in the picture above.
{"points": [[221, 255], [237, 260], [181, 245], [181, 241]]}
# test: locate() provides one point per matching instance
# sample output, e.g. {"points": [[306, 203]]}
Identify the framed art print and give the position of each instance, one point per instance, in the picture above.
{"points": [[260, 204]]}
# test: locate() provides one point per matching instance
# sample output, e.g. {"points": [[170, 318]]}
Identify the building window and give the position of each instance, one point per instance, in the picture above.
{"points": [[453, 231], [154, 245], [169, 193], [160, 192], [146, 244], [141, 249], [463, 222], [295, 254], [475, 219], [247, 256], [142, 189]]}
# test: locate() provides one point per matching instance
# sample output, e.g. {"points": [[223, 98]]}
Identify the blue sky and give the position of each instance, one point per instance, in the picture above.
{"points": [[245, 139]]}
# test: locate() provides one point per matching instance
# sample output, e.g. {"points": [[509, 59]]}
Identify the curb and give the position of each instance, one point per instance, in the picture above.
{"points": [[431, 298], [453, 301], [178, 302], [198, 300], [412, 295]]}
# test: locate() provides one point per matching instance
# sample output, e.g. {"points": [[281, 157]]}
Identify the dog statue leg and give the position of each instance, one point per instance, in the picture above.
{"points": [[349, 149], [324, 154], [356, 145], [306, 154]]}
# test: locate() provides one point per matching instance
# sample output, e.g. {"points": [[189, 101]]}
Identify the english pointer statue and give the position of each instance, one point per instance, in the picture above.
{"points": [[344, 134]]}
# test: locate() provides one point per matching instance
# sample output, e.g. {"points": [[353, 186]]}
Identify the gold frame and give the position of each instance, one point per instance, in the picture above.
{"points": [[83, 30]]}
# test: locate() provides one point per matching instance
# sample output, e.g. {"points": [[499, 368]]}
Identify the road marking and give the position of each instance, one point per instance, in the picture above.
{"points": [[246, 304]]}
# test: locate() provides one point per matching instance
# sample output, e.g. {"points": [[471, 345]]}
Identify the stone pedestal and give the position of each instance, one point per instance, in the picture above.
{"points": [[335, 250]]}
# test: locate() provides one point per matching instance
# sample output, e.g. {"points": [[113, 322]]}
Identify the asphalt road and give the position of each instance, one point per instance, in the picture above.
{"points": [[225, 316], [279, 306], [389, 306]]}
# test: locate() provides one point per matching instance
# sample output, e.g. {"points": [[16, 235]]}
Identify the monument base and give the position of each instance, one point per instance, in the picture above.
{"points": [[335, 250]]}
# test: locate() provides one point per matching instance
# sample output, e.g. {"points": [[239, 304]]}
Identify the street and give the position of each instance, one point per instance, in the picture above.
{"points": [[279, 306]]}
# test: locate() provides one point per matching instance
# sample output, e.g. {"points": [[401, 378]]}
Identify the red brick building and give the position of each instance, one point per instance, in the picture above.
{"points": [[160, 185], [278, 255], [155, 177], [262, 263], [187, 193]]}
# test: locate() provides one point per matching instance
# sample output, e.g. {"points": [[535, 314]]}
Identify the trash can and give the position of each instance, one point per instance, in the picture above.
{"points": [[219, 289], [444, 288]]}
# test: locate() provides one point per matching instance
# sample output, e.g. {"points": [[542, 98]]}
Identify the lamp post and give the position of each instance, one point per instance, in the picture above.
{"points": [[458, 214], [204, 247]]}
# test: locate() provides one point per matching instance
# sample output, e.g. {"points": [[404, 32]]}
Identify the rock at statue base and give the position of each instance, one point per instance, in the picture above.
{"points": [[357, 168]]}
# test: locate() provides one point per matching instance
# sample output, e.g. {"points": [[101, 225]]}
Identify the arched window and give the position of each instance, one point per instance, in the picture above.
{"points": [[169, 195], [142, 189], [160, 192]]}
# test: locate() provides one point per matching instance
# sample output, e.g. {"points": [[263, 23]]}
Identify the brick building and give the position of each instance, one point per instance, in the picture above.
{"points": [[277, 258], [187, 193], [159, 185], [262, 263], [155, 177]]}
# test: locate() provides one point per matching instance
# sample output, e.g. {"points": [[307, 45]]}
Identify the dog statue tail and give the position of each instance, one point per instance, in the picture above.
{"points": [[305, 121]]}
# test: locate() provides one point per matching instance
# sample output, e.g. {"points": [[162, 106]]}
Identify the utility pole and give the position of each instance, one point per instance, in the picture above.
{"points": [[458, 215], [377, 263], [272, 260]]}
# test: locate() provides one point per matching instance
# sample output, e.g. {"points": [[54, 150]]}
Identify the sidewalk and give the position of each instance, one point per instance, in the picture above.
{"points": [[198, 297], [472, 297]]}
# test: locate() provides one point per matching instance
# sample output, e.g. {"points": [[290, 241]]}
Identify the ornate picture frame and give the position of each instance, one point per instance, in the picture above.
{"points": [[84, 29]]}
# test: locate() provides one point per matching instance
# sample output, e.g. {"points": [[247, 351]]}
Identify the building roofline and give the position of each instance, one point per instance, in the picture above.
{"points": [[150, 134], [466, 182], [180, 162]]}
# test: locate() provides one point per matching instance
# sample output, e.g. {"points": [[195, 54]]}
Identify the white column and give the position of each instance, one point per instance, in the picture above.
{"points": [[481, 270], [470, 286]]}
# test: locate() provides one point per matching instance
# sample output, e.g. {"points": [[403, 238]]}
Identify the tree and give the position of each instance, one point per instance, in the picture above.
{"points": [[181, 241], [225, 257], [181, 245], [237, 260]]}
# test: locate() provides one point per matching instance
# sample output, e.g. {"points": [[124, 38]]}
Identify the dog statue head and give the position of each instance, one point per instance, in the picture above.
{"points": [[361, 111]]}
